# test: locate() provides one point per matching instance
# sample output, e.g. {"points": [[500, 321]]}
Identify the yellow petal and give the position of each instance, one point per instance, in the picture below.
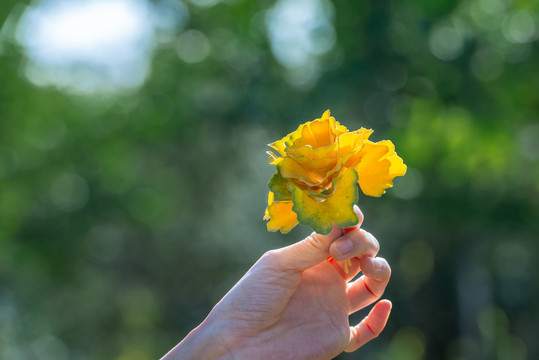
{"points": [[270, 201], [312, 173], [335, 126], [324, 160], [326, 114], [378, 165], [351, 143], [319, 160], [272, 157], [317, 133], [301, 137], [280, 215], [278, 146], [338, 208], [322, 133], [329, 151]]}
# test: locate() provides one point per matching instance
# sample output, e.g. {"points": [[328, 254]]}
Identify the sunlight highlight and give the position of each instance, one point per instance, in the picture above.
{"points": [[88, 46]]}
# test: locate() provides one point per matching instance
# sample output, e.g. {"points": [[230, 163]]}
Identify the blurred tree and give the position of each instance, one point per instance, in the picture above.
{"points": [[126, 214]]}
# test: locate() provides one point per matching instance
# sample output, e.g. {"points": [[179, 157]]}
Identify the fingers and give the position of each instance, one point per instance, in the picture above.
{"points": [[370, 327], [313, 249], [355, 243], [347, 268], [316, 247], [371, 285]]}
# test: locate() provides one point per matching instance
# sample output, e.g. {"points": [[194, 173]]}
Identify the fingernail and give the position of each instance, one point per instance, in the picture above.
{"points": [[370, 237], [344, 246], [377, 264]]}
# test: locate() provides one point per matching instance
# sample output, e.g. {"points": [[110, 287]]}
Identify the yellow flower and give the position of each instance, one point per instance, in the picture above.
{"points": [[318, 167]]}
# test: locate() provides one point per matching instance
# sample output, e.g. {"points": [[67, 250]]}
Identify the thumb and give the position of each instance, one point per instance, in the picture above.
{"points": [[313, 249], [308, 252]]}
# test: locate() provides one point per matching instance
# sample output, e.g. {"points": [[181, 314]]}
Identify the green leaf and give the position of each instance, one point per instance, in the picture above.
{"points": [[338, 208], [279, 186]]}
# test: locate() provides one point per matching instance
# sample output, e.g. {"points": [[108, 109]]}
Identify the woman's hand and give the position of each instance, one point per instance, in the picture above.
{"points": [[294, 303]]}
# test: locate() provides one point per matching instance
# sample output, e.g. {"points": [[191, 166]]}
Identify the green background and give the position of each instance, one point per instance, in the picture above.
{"points": [[124, 217]]}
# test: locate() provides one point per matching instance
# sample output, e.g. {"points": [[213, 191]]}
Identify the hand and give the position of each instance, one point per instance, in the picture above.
{"points": [[294, 303]]}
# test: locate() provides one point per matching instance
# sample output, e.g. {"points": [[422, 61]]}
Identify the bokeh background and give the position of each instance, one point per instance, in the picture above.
{"points": [[133, 169]]}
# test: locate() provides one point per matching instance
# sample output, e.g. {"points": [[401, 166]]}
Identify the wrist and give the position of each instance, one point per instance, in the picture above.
{"points": [[204, 342]]}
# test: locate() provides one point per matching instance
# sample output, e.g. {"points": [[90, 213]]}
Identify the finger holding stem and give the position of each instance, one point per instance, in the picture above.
{"points": [[348, 262], [350, 248]]}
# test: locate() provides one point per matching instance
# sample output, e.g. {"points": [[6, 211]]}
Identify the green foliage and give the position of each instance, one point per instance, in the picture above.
{"points": [[124, 217]]}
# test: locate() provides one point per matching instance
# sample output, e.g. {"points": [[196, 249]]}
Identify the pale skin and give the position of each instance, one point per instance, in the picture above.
{"points": [[294, 303]]}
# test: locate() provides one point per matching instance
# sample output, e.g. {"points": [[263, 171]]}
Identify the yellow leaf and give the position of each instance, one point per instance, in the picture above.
{"points": [[378, 165], [338, 208], [280, 215]]}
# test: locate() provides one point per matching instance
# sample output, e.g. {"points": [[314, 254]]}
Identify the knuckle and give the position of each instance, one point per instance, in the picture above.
{"points": [[372, 334], [385, 271], [374, 244], [269, 257], [343, 333], [313, 241], [367, 244]]}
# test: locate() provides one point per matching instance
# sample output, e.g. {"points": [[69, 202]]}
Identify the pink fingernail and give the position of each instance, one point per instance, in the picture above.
{"points": [[344, 246], [378, 264]]}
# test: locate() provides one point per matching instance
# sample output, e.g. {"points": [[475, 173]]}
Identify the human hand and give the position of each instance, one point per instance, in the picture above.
{"points": [[294, 304]]}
